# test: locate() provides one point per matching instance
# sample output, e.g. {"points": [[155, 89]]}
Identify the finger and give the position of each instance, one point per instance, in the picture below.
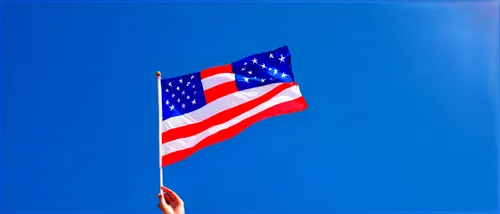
{"points": [[174, 196], [168, 199], [163, 206], [171, 193], [165, 199], [166, 210], [161, 199]]}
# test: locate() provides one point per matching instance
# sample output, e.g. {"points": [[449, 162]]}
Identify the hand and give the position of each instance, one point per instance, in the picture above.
{"points": [[170, 203]]}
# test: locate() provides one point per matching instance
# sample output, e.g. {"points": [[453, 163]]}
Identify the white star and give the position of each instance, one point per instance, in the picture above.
{"points": [[245, 63], [180, 80], [271, 55], [167, 102], [170, 84], [262, 80], [183, 106], [282, 58], [194, 92], [275, 71], [254, 61], [283, 75], [178, 100], [178, 88], [243, 68], [250, 72], [183, 92], [192, 77], [188, 97], [166, 90], [172, 107], [263, 65], [194, 86], [173, 95], [246, 79], [194, 101], [188, 83]]}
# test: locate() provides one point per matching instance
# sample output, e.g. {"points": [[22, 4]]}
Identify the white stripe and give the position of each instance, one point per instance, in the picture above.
{"points": [[221, 104], [289, 94], [216, 80]]}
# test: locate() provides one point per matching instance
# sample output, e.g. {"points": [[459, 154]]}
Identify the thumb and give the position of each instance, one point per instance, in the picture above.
{"points": [[160, 197], [164, 207]]}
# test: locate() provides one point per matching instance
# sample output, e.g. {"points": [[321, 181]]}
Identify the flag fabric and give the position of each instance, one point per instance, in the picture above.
{"points": [[207, 107]]}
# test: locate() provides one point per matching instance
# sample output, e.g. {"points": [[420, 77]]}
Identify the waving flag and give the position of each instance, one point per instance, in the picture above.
{"points": [[204, 108]]}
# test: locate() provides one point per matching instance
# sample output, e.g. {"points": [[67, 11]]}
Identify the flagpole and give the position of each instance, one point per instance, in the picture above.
{"points": [[160, 113]]}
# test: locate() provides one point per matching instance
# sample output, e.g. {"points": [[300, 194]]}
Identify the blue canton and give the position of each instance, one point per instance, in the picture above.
{"points": [[181, 95], [263, 69]]}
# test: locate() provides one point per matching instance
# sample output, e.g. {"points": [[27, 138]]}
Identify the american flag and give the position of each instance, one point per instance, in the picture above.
{"points": [[207, 107]]}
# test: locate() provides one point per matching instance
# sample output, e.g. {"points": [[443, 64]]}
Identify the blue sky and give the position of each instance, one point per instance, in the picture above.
{"points": [[402, 117]]}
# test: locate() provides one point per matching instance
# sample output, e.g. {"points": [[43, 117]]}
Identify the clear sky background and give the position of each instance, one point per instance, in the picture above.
{"points": [[403, 107]]}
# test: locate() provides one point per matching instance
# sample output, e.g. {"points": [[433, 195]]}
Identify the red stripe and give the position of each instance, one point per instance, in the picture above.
{"points": [[219, 91], [216, 70], [222, 117], [296, 105]]}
